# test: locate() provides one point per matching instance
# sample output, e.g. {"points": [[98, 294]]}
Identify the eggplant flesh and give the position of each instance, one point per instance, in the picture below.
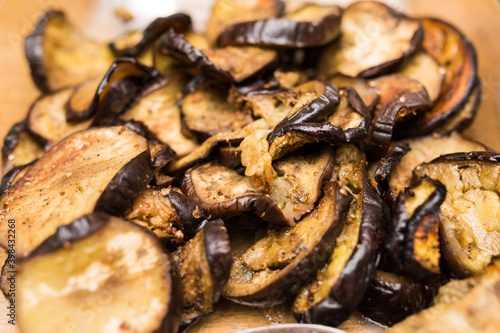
{"points": [[59, 56], [341, 282], [469, 215], [390, 298], [310, 25], [469, 305], [275, 267], [374, 39], [101, 169], [204, 265], [105, 258]]}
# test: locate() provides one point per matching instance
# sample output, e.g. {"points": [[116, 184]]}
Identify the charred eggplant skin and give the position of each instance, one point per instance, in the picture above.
{"points": [[32, 45], [346, 295], [192, 216], [178, 22], [401, 236], [282, 32]]}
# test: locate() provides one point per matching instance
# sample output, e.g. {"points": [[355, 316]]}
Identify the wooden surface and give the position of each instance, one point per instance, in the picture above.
{"points": [[479, 20]]}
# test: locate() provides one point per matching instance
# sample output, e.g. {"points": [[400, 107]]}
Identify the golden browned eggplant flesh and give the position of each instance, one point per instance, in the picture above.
{"points": [[283, 155]]}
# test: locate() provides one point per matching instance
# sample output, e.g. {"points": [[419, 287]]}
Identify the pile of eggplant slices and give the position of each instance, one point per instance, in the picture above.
{"points": [[292, 154]]}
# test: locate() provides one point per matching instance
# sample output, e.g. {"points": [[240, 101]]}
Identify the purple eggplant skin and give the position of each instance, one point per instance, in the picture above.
{"points": [[126, 185], [192, 216], [401, 236], [179, 22], [390, 297], [326, 131], [382, 175], [348, 291], [34, 54], [482, 156], [91, 223], [383, 126], [176, 45], [12, 138], [316, 110], [10, 175], [125, 79], [387, 67], [282, 33]]}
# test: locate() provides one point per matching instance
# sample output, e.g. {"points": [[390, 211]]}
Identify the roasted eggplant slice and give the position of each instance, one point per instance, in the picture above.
{"points": [[124, 81], [470, 221], [157, 108], [222, 192], [426, 70], [60, 57], [469, 305], [102, 258], [12, 176], [308, 26], [205, 110], [135, 42], [230, 64], [78, 105], [398, 175], [346, 123], [341, 283], [101, 169], [374, 39], [204, 264], [455, 53], [400, 100], [47, 118], [391, 298], [413, 238], [229, 12], [275, 268], [19, 148]]}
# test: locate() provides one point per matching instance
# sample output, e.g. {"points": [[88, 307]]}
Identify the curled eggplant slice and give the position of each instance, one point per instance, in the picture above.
{"points": [[340, 284], [100, 169], [348, 122], [60, 57], [469, 216], [454, 52], [103, 258], [47, 118], [230, 63], [469, 305], [369, 94], [307, 26], [205, 110], [413, 238], [157, 108], [19, 148], [78, 105], [124, 81], [425, 69], [391, 297], [400, 100], [134, 43], [223, 192], [397, 174], [12, 176], [374, 39], [228, 12], [204, 265], [274, 268]]}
